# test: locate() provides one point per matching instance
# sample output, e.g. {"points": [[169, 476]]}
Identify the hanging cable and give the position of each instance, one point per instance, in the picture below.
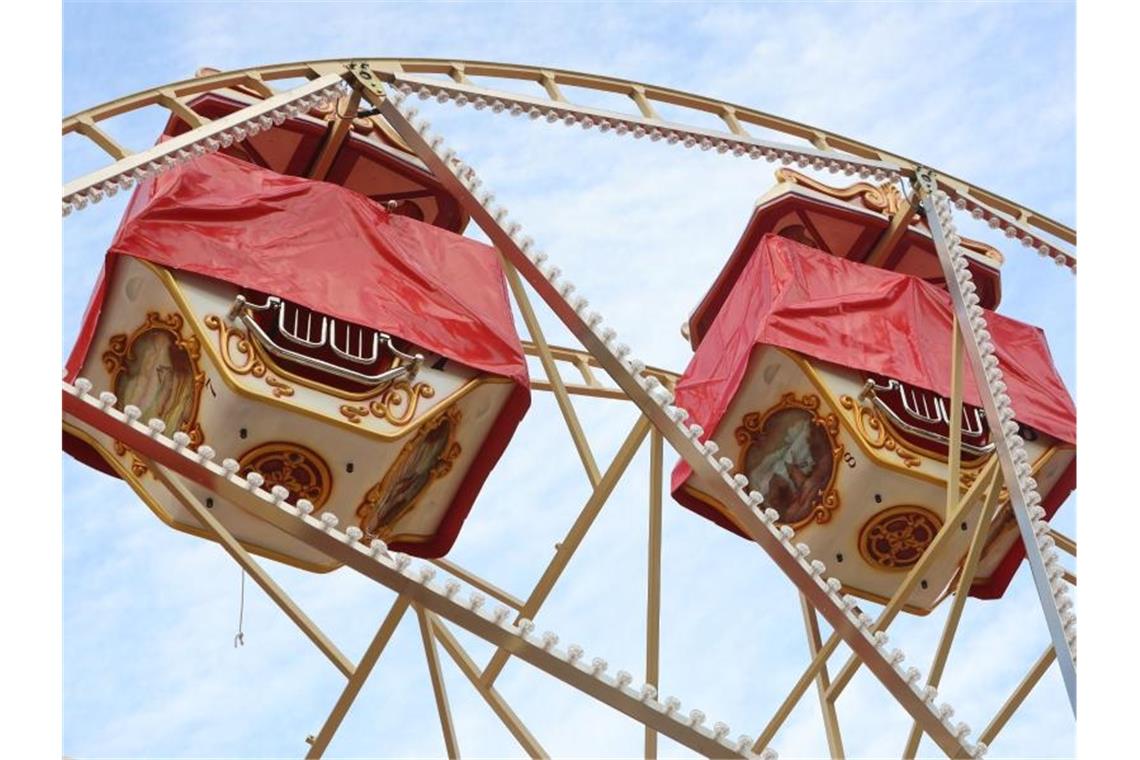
{"points": [[239, 639]]}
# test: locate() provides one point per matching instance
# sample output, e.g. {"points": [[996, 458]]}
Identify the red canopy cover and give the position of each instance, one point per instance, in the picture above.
{"points": [[326, 248], [338, 253], [862, 317]]}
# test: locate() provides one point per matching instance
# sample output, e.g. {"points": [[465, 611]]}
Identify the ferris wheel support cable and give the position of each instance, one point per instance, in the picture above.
{"points": [[1025, 500], [356, 674], [655, 402], [271, 588], [643, 95], [397, 572]]}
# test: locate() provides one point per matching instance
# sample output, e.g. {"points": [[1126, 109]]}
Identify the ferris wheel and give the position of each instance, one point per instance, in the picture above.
{"points": [[293, 351]]}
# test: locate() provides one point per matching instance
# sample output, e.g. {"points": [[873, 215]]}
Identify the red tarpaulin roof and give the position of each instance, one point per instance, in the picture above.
{"points": [[326, 248], [795, 297]]}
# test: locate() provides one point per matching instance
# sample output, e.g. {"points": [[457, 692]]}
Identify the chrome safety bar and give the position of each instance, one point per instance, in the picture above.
{"points": [[240, 311], [972, 450]]}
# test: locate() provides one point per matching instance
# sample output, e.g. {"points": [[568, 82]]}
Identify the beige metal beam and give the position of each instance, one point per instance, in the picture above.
{"points": [[822, 681], [255, 82], [585, 364], [470, 578], [184, 141], [954, 456], [250, 565], [937, 209], [179, 108], [578, 357], [653, 590], [728, 115], [577, 389], [335, 136], [552, 375], [894, 232], [82, 410], [961, 591], [826, 146], [171, 102], [492, 697], [822, 139], [637, 94], [1018, 696], [550, 84], [574, 536], [363, 669], [86, 127], [1063, 542], [451, 744], [814, 668], [893, 607], [458, 73]]}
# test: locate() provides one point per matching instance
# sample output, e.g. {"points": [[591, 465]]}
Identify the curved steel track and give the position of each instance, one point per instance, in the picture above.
{"points": [[735, 117]]}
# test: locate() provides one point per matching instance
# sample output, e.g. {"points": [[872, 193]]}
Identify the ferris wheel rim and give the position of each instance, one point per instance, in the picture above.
{"points": [[641, 93]]}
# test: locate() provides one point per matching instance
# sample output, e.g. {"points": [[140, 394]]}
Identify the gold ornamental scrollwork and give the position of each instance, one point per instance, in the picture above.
{"points": [[157, 368], [242, 357], [885, 197], [896, 538], [874, 431], [397, 403], [804, 461], [298, 468]]}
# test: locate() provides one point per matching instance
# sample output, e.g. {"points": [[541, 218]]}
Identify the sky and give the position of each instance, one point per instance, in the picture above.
{"points": [[150, 614]]}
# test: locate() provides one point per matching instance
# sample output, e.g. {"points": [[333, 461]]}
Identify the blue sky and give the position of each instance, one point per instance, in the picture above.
{"points": [[149, 614]]}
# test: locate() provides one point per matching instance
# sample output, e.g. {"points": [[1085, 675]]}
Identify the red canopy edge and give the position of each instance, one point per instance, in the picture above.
{"points": [[326, 248], [865, 318]]}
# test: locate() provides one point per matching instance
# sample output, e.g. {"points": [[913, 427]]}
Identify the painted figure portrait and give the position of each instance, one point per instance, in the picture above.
{"points": [[789, 461], [157, 376], [426, 457]]}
